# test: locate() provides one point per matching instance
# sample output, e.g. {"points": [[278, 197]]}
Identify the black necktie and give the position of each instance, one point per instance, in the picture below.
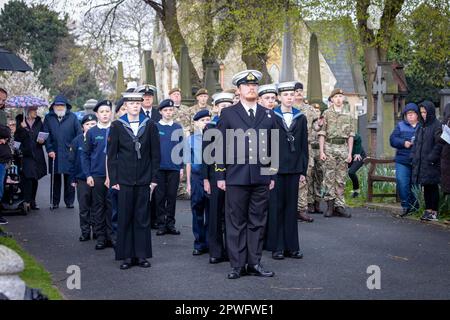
{"points": [[147, 113], [252, 115]]}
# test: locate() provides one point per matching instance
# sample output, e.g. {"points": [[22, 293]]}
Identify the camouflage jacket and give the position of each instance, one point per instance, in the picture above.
{"points": [[182, 116], [337, 125], [312, 115]]}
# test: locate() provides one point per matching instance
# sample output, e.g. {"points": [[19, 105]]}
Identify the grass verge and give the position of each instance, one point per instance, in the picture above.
{"points": [[34, 274]]}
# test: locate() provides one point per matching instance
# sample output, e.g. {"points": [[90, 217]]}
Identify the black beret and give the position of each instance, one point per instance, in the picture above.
{"points": [[201, 114], [107, 103], [298, 85], [119, 104], [166, 103], [88, 117]]}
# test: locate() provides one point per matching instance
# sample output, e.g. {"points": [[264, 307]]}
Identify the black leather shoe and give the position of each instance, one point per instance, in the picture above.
{"points": [[34, 206], [173, 231], [293, 254], [277, 255], [258, 270], [213, 260], [70, 206], [100, 246], [160, 232], [143, 263], [127, 264], [236, 273], [83, 238], [154, 226], [54, 207]]}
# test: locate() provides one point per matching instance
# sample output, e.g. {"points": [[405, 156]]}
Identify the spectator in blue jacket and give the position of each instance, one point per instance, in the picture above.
{"points": [[78, 178], [402, 139], [63, 126]]}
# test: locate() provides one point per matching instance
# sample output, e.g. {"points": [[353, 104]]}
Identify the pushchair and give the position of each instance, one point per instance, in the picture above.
{"points": [[13, 197]]}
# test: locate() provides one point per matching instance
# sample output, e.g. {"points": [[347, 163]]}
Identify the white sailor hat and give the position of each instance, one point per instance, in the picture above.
{"points": [[131, 86], [222, 97], [146, 89], [246, 76], [132, 96], [267, 88], [286, 86]]}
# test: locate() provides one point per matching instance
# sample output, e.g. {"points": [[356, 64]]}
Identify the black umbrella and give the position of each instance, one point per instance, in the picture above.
{"points": [[11, 62]]}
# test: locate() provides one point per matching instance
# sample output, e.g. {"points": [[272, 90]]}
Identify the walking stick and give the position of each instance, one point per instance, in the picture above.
{"points": [[52, 177]]}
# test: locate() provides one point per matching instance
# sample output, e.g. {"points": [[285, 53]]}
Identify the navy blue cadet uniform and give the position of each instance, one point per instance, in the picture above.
{"points": [[84, 192], [168, 176], [282, 227], [199, 198], [94, 165]]}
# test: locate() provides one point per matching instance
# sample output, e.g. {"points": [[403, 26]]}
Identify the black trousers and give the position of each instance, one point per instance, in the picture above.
{"points": [[353, 168], [245, 218], [101, 211], [133, 224], [216, 227], [30, 186], [282, 227], [69, 191], [431, 196], [166, 197], [84, 195]]}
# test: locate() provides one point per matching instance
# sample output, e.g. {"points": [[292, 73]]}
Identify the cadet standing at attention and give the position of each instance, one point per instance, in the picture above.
{"points": [[336, 145]]}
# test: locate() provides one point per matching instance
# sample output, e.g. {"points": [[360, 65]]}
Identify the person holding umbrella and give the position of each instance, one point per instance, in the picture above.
{"points": [[62, 126], [34, 167]]}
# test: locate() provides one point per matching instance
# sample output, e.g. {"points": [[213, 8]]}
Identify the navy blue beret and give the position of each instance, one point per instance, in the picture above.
{"points": [[201, 114], [107, 103], [88, 117], [119, 104], [166, 103]]}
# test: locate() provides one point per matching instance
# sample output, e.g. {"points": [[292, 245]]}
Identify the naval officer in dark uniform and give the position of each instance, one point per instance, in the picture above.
{"points": [[242, 176], [148, 95], [133, 162]]}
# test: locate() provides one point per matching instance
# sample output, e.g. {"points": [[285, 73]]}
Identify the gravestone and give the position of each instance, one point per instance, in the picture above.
{"points": [[184, 78], [287, 63], [445, 95], [150, 74], [89, 106], [389, 90], [11, 265], [212, 78], [314, 81]]}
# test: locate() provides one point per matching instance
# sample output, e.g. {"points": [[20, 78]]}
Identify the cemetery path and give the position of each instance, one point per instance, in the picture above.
{"points": [[413, 257]]}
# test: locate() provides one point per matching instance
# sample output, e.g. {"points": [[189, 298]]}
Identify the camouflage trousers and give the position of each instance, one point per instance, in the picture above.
{"points": [[311, 190], [335, 173], [182, 193]]}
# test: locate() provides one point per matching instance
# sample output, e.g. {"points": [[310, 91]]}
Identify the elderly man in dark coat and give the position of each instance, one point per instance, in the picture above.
{"points": [[62, 126], [426, 154], [34, 166]]}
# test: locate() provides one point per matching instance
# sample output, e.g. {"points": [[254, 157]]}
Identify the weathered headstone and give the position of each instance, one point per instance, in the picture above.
{"points": [[149, 68], [120, 82], [89, 106], [185, 78], [445, 94], [314, 93], [212, 77], [11, 265], [287, 63]]}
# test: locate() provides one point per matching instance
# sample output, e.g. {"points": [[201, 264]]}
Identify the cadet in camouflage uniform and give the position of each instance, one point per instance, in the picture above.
{"points": [[181, 116], [309, 190], [202, 99], [336, 144]]}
